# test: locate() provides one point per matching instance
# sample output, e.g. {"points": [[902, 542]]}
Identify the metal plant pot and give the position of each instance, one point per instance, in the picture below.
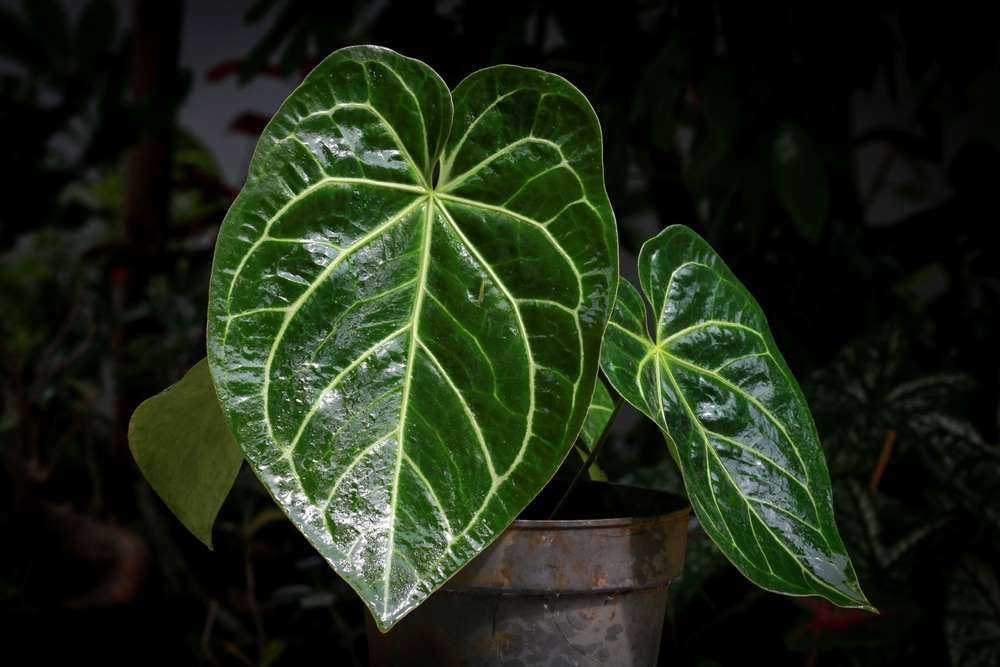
{"points": [[589, 589]]}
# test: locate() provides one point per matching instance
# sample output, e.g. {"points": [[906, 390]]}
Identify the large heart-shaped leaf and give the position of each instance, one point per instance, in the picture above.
{"points": [[715, 383], [406, 309]]}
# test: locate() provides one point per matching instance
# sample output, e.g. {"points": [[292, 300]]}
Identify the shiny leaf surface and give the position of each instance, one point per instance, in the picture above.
{"points": [[406, 309], [183, 447], [714, 381]]}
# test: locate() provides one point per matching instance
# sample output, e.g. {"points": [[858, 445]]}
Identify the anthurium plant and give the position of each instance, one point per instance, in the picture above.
{"points": [[411, 302]]}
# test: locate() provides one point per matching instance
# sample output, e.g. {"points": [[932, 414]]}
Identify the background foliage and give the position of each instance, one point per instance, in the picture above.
{"points": [[864, 237]]}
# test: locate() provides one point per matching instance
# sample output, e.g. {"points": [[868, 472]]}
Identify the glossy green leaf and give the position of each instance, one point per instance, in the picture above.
{"points": [[715, 383], [184, 449], [800, 178], [406, 308]]}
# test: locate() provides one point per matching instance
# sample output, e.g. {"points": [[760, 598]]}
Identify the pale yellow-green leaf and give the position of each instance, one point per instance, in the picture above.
{"points": [[184, 449]]}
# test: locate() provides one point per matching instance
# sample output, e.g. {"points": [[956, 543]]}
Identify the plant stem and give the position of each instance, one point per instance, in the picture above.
{"points": [[591, 457]]}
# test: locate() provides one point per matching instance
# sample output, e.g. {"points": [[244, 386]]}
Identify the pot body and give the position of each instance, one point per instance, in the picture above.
{"points": [[578, 591]]}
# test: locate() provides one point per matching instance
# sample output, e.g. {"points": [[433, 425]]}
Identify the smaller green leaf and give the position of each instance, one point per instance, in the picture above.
{"points": [[800, 179], [713, 380], [184, 449]]}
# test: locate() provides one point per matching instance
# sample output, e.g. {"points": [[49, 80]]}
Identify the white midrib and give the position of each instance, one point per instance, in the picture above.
{"points": [[421, 291]]}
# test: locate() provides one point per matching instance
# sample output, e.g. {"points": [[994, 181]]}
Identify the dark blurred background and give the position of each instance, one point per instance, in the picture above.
{"points": [[841, 158]]}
